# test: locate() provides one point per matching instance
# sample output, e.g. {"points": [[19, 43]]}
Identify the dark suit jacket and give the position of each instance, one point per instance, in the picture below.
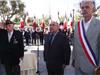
{"points": [[3, 41], [14, 49], [59, 51]]}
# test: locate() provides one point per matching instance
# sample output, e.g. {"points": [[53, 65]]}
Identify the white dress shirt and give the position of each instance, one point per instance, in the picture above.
{"points": [[87, 24], [10, 35]]}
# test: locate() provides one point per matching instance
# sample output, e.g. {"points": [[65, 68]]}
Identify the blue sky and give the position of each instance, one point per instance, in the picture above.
{"points": [[46, 7]]}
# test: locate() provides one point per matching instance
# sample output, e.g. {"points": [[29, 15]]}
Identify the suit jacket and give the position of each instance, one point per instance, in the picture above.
{"points": [[93, 36], [59, 51], [14, 49]]}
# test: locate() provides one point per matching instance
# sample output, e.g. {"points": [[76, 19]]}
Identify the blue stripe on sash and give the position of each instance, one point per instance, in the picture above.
{"points": [[89, 44]]}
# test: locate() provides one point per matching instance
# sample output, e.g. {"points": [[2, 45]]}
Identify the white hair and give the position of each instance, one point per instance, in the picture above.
{"points": [[93, 2]]}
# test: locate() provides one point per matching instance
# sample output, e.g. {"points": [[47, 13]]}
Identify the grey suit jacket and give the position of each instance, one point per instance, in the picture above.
{"points": [[93, 36]]}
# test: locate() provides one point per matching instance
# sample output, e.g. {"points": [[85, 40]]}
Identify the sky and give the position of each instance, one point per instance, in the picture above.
{"points": [[51, 7]]}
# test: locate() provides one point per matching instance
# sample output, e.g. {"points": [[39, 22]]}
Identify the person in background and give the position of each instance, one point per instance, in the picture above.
{"points": [[14, 49], [27, 36], [56, 50], [41, 36], [86, 41]]}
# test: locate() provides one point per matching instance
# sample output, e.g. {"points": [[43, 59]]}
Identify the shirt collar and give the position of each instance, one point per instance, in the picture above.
{"points": [[88, 21]]}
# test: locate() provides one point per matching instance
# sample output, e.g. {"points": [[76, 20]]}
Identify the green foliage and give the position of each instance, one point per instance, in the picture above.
{"points": [[47, 21], [17, 21], [3, 7], [16, 7]]}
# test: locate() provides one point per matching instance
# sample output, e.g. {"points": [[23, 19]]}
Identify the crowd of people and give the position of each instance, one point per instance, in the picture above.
{"points": [[85, 41], [35, 36], [31, 36]]}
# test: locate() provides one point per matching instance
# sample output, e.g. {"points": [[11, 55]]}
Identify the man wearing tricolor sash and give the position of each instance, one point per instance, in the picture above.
{"points": [[86, 41]]}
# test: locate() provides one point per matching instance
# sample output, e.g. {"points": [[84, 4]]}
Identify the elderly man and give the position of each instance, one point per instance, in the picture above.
{"points": [[86, 50], [12, 43], [56, 50]]}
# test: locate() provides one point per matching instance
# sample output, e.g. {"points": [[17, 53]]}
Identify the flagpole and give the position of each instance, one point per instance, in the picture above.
{"points": [[38, 72], [73, 20]]}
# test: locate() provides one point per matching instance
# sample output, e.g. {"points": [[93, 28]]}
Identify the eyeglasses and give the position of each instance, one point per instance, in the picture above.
{"points": [[85, 7], [52, 25]]}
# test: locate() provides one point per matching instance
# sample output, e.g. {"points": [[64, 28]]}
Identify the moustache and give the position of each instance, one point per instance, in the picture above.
{"points": [[83, 13]]}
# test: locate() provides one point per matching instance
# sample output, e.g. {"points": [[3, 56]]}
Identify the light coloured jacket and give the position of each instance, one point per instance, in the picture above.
{"points": [[93, 36]]}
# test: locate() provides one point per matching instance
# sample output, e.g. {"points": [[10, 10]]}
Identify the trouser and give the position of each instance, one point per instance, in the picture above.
{"points": [[2, 69], [80, 72], [27, 41], [12, 69], [41, 41], [55, 69]]}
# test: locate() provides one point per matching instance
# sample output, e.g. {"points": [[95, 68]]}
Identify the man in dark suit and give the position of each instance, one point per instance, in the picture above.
{"points": [[56, 51], [34, 37], [27, 36], [14, 49]]}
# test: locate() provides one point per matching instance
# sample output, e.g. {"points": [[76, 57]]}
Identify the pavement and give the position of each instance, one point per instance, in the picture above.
{"points": [[69, 70]]}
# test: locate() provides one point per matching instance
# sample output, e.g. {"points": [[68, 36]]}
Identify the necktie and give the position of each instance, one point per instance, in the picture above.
{"points": [[50, 38]]}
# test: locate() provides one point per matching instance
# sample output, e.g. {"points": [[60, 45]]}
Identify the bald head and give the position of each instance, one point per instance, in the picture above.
{"points": [[54, 26], [53, 23]]}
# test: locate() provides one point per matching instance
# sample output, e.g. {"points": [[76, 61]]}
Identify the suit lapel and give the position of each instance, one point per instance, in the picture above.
{"points": [[7, 36], [53, 39]]}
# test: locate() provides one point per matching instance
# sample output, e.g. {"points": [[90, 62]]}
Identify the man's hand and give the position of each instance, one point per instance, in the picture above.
{"points": [[21, 58]]}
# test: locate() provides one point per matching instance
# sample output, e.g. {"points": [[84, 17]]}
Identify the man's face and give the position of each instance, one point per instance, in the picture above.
{"points": [[87, 8], [9, 27], [54, 27]]}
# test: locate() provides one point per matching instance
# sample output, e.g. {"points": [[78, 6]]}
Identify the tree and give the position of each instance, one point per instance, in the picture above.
{"points": [[3, 9], [15, 7], [98, 11]]}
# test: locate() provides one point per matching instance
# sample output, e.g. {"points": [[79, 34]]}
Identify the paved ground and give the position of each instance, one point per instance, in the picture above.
{"points": [[69, 70]]}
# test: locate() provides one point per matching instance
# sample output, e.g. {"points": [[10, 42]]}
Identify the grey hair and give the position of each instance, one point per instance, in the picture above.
{"points": [[94, 5]]}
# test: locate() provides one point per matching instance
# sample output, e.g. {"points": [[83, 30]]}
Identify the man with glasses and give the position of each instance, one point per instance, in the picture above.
{"points": [[56, 50]]}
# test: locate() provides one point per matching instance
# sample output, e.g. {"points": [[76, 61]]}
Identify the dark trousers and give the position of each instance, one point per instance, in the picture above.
{"points": [[12, 69], [55, 69], [27, 41], [41, 41], [34, 41]]}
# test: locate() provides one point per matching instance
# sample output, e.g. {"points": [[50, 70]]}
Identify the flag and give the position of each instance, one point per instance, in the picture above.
{"points": [[71, 24], [21, 23], [34, 24], [42, 24], [50, 20], [65, 24]]}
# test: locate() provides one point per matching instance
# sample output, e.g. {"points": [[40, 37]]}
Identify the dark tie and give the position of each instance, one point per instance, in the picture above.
{"points": [[50, 39]]}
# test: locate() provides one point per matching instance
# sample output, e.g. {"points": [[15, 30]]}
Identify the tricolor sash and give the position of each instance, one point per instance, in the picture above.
{"points": [[86, 45]]}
